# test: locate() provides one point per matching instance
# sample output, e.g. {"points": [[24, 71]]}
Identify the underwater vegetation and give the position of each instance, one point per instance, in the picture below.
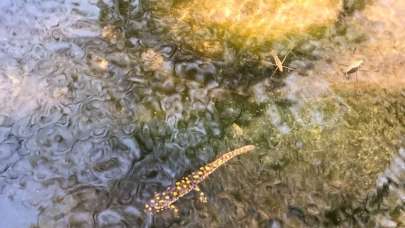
{"points": [[211, 27]]}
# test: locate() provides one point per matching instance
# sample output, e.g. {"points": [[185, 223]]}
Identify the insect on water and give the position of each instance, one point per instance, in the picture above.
{"points": [[278, 63], [353, 68]]}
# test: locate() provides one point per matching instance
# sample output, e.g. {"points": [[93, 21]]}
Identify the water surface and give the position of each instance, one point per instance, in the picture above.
{"points": [[102, 105]]}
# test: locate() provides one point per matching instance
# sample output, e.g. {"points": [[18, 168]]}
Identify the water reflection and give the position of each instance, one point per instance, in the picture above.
{"points": [[101, 107]]}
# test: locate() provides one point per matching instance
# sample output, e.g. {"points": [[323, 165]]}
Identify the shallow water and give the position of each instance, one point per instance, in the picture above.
{"points": [[101, 107]]}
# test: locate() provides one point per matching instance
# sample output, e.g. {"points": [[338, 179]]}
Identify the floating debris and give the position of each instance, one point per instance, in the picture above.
{"points": [[236, 130], [153, 60], [164, 200]]}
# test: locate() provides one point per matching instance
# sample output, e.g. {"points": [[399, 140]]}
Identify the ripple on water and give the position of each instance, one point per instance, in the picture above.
{"points": [[75, 209], [8, 153]]}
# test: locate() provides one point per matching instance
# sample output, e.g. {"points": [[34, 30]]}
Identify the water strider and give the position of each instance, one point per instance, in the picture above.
{"points": [[353, 67]]}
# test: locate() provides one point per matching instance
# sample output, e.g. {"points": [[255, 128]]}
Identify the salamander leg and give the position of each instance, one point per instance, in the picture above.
{"points": [[201, 197], [174, 209]]}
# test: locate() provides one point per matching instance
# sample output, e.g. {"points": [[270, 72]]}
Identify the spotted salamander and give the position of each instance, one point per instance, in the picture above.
{"points": [[164, 200]]}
